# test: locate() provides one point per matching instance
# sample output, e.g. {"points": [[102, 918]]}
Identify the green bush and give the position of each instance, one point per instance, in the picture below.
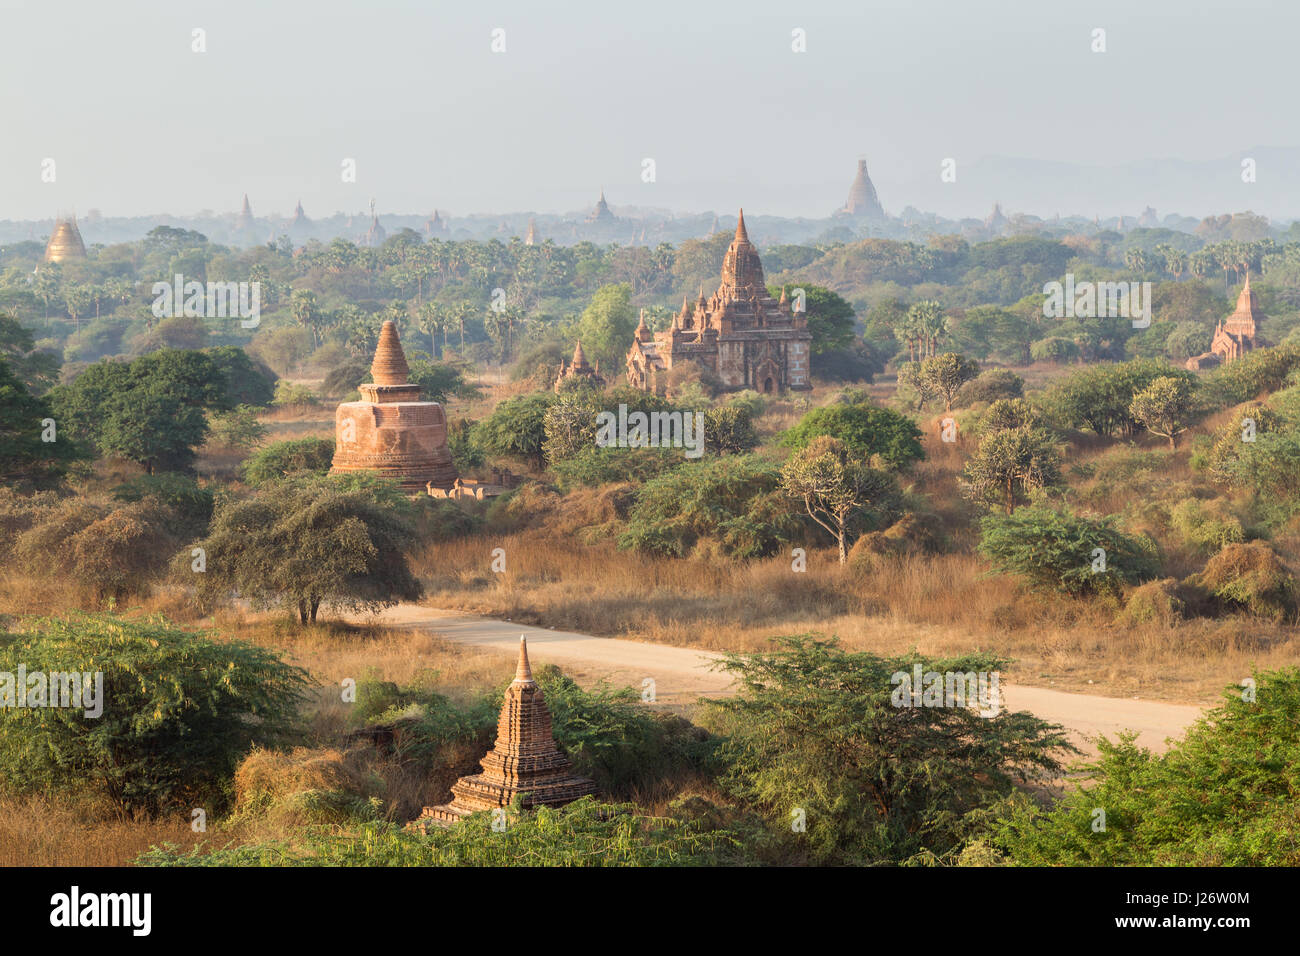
{"points": [[817, 729], [284, 458], [734, 502], [1205, 525], [1223, 796], [867, 431], [179, 711], [1058, 550]]}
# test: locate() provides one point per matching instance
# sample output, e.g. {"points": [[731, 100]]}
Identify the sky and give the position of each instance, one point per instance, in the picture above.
{"points": [[137, 123]]}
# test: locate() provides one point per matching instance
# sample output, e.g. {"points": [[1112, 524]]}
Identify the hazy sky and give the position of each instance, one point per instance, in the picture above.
{"points": [[138, 124]]}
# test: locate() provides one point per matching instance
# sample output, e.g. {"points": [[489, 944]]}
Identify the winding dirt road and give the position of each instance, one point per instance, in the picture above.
{"points": [[682, 674]]}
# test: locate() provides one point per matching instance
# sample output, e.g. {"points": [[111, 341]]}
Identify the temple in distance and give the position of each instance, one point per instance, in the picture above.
{"points": [[1234, 336], [740, 334]]}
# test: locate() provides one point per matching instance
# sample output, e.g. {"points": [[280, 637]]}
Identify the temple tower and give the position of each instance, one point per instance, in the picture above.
{"points": [[65, 242], [526, 759], [862, 199], [390, 431]]}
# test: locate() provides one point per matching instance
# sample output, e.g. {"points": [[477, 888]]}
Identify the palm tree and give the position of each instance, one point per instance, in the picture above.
{"points": [[431, 319], [928, 323]]}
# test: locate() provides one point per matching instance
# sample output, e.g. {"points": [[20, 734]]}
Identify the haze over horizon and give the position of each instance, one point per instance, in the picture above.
{"points": [[139, 125]]}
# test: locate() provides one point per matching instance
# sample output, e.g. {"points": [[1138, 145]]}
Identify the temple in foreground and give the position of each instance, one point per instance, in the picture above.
{"points": [[390, 431], [525, 761], [740, 334]]}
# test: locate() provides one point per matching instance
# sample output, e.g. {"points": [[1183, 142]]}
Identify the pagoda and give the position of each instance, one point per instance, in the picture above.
{"points": [[376, 234], [602, 213], [525, 762], [390, 431], [1234, 336], [581, 370], [245, 220], [862, 199], [740, 334], [530, 238], [65, 242]]}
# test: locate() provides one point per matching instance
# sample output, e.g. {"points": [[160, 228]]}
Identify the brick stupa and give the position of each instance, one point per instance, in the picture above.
{"points": [[390, 431], [526, 759]]}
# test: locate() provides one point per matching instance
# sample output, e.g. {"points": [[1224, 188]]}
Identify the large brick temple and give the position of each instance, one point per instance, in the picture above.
{"points": [[741, 334], [526, 759], [390, 431]]}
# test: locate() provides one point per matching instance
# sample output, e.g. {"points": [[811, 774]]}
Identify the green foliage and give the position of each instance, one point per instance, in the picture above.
{"points": [[149, 411], [865, 429], [248, 381], [838, 493], [37, 370], [729, 430], [944, 375], [991, 385], [189, 506], [1100, 397], [179, 710], [815, 728], [1252, 375], [309, 541], [733, 502], [606, 325], [624, 746], [1206, 525], [440, 381], [289, 457], [343, 379], [517, 428], [1223, 796], [287, 394], [24, 456], [594, 466], [1013, 460], [584, 833], [1058, 550], [237, 428], [1165, 407]]}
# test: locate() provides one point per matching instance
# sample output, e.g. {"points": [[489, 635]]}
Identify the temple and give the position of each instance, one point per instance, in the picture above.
{"points": [[581, 370], [1234, 336], [530, 238], [602, 213], [740, 334], [65, 242], [390, 431], [525, 761], [862, 199]]}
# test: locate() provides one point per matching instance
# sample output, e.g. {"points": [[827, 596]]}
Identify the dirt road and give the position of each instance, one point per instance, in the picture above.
{"points": [[681, 674]]}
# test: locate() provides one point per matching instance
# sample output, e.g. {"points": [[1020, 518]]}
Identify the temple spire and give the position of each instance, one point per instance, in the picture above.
{"points": [[740, 227], [389, 366], [523, 672]]}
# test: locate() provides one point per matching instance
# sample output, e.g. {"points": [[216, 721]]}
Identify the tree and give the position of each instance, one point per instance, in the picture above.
{"points": [[945, 374], [733, 504], [179, 710], [865, 429], [835, 489], [24, 454], [237, 428], [815, 727], [150, 411], [1164, 407], [1099, 397], [607, 324], [283, 459], [517, 428], [1065, 552], [38, 370], [440, 381], [928, 324], [570, 427], [729, 429], [1010, 463], [307, 541]]}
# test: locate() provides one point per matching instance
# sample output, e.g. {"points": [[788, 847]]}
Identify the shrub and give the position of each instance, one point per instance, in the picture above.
{"points": [[734, 502], [867, 431], [1155, 601], [179, 711], [189, 506], [817, 728], [1253, 374], [991, 385], [1222, 796], [284, 458], [288, 395], [1058, 550], [1205, 525], [237, 428], [1253, 577]]}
